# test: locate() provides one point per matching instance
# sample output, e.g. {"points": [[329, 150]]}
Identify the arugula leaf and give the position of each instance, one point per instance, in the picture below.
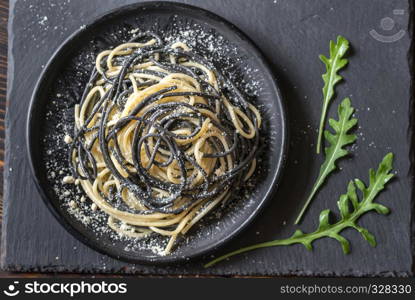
{"points": [[330, 78], [337, 141], [351, 209]]}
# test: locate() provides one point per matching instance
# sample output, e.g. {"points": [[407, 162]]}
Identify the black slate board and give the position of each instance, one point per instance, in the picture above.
{"points": [[291, 34]]}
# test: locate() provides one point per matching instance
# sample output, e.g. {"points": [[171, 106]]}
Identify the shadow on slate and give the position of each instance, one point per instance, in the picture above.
{"points": [[291, 34]]}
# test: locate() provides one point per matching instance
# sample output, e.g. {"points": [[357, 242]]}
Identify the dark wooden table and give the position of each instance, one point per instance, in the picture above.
{"points": [[4, 15]]}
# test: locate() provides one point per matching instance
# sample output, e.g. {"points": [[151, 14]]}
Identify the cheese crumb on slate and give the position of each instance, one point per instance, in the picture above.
{"points": [[68, 179], [67, 139]]}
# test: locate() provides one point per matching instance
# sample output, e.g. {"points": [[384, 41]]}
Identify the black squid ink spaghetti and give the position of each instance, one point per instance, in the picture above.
{"points": [[161, 138]]}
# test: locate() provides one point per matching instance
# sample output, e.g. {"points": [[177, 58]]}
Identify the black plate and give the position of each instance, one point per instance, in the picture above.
{"points": [[63, 79]]}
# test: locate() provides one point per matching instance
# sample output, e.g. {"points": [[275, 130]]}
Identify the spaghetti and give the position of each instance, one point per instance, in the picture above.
{"points": [[161, 137]]}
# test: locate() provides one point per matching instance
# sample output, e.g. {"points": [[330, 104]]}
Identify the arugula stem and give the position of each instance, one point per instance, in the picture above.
{"points": [[322, 122], [326, 101], [307, 203], [250, 248]]}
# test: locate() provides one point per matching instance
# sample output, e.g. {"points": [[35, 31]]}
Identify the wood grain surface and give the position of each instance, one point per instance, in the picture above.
{"points": [[4, 14]]}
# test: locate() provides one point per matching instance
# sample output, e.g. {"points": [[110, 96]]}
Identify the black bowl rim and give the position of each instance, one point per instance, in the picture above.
{"points": [[260, 205]]}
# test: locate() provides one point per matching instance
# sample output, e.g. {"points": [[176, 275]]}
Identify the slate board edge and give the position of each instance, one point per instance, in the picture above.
{"points": [[12, 267], [10, 77], [411, 62]]}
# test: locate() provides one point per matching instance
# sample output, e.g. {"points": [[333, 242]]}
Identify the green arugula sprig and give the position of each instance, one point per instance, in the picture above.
{"points": [[335, 151], [331, 78], [351, 209]]}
